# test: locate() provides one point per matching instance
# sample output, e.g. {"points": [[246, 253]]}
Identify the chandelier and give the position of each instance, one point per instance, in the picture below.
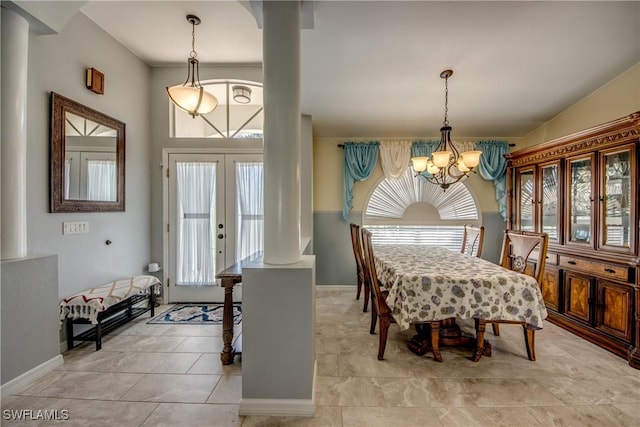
{"points": [[191, 96], [447, 165]]}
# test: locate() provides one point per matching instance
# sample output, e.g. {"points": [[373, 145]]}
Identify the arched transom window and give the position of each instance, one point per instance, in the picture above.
{"points": [[239, 113], [410, 210]]}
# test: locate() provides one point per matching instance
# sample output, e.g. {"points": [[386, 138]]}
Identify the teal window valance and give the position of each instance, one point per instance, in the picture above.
{"points": [[493, 167], [360, 159]]}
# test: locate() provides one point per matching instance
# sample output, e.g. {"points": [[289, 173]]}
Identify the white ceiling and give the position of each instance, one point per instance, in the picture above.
{"points": [[372, 68]]}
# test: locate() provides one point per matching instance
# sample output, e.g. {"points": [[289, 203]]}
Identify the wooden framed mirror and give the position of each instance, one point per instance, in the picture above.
{"points": [[87, 159]]}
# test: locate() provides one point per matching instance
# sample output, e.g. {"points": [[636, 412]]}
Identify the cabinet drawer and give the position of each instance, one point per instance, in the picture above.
{"points": [[594, 267], [551, 257]]}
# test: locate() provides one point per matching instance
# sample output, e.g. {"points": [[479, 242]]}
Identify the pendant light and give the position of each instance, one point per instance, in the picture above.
{"points": [[447, 165], [191, 96]]}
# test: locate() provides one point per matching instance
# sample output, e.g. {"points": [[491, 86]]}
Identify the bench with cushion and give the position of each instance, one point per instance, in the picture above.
{"points": [[107, 307]]}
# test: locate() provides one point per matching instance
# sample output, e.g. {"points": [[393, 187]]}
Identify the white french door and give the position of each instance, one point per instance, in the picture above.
{"points": [[215, 218]]}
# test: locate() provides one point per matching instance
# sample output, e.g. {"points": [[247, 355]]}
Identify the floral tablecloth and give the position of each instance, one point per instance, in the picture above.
{"points": [[433, 283]]}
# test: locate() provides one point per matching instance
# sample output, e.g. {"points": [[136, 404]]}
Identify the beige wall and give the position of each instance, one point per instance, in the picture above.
{"points": [[617, 98]]}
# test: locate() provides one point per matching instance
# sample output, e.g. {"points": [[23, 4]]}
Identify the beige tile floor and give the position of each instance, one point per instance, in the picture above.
{"points": [[163, 375]]}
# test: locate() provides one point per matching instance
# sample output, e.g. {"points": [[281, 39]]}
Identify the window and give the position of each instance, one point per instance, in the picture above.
{"points": [[412, 211], [239, 117]]}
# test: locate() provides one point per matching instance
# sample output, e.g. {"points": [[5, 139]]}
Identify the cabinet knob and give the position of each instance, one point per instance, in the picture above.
{"points": [[571, 262], [609, 270]]}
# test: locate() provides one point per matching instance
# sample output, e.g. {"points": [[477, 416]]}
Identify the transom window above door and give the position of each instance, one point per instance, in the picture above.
{"points": [[239, 114]]}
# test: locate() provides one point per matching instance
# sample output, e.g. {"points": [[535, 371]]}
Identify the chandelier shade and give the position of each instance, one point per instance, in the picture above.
{"points": [[190, 96], [446, 165]]}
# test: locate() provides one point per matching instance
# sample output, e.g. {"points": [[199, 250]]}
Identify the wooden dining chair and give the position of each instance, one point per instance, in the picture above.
{"points": [[356, 243], [472, 240], [524, 252], [379, 308]]}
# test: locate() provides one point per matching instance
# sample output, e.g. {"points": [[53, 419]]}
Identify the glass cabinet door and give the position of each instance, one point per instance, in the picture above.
{"points": [[526, 200], [616, 198], [580, 200], [549, 198]]}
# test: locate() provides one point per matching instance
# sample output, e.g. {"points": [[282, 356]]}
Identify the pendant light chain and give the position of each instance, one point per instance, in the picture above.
{"points": [[446, 101], [193, 53]]}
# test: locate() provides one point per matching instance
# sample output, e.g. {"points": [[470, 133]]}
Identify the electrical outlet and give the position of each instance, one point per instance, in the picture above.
{"points": [[75, 227]]}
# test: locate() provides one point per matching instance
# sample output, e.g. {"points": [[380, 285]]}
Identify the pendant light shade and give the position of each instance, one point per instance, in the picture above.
{"points": [[190, 96]]}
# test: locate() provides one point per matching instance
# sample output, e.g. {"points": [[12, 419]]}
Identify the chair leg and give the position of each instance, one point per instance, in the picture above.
{"points": [[385, 322], [530, 342], [435, 340], [359, 289], [374, 319], [367, 295], [496, 329]]}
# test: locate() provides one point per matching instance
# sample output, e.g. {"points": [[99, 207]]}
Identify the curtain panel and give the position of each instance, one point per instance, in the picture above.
{"points": [[493, 167], [394, 158], [249, 209], [196, 205], [359, 161]]}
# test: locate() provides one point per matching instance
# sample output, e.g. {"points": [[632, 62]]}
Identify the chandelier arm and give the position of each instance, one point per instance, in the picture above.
{"points": [[454, 150], [455, 176], [188, 72], [197, 73]]}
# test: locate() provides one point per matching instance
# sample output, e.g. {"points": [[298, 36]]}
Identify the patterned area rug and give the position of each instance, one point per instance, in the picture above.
{"points": [[197, 314]]}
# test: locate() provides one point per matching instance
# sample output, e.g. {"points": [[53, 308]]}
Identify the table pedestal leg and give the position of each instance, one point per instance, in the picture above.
{"points": [[451, 335], [447, 333], [227, 354]]}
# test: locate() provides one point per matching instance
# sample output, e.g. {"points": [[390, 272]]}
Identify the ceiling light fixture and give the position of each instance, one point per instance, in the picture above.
{"points": [[447, 165], [241, 94], [191, 96]]}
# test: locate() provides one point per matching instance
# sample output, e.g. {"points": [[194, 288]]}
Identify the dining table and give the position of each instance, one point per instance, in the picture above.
{"points": [[435, 285]]}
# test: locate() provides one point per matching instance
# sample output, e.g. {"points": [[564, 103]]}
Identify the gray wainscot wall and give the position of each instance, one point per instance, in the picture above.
{"points": [[29, 320], [332, 245], [278, 354]]}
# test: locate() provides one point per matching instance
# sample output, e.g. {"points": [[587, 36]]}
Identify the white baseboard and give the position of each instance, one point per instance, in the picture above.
{"points": [[335, 287], [24, 380], [281, 407]]}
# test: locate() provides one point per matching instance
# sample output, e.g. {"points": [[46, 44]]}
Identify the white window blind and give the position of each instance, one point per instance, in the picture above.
{"points": [[449, 237], [441, 224]]}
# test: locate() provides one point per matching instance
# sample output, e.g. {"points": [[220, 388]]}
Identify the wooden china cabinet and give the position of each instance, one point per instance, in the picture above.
{"points": [[583, 190]]}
